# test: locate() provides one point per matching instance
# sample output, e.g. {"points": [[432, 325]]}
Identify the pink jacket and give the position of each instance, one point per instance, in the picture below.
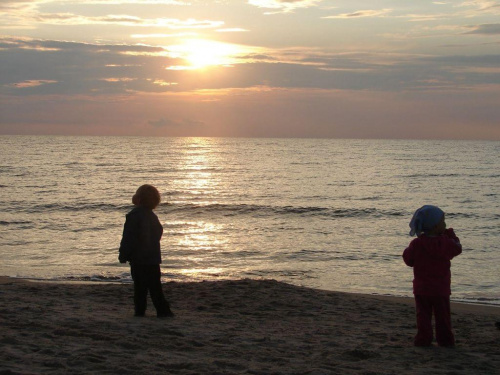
{"points": [[430, 258]]}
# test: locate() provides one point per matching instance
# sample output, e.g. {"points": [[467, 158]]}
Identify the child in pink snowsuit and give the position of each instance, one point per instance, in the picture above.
{"points": [[430, 254]]}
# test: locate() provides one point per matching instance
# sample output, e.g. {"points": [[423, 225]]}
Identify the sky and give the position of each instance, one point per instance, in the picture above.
{"points": [[386, 69]]}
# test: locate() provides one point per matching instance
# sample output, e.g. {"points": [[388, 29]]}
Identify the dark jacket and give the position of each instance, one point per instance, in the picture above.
{"points": [[430, 258], [141, 237]]}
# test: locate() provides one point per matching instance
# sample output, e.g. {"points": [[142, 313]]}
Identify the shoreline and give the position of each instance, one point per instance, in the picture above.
{"points": [[246, 326], [461, 305]]}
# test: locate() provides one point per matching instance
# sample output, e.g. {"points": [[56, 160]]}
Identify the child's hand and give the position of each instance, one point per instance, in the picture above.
{"points": [[450, 233]]}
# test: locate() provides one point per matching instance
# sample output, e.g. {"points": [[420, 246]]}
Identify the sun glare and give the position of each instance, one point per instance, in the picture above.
{"points": [[200, 53]]}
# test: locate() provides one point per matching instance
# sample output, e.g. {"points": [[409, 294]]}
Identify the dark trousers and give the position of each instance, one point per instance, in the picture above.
{"points": [[425, 306], [148, 278]]}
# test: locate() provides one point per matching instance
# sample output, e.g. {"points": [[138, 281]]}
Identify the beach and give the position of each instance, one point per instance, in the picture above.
{"points": [[230, 327]]}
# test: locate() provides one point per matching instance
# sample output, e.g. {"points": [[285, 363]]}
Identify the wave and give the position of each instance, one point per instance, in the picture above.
{"points": [[226, 209], [55, 207], [478, 301], [427, 175], [303, 211], [266, 210], [15, 222], [125, 278], [212, 209]]}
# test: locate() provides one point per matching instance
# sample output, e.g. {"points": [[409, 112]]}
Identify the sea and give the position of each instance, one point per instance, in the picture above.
{"points": [[330, 214]]}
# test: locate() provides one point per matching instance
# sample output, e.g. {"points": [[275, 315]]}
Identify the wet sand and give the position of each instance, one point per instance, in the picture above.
{"points": [[230, 327]]}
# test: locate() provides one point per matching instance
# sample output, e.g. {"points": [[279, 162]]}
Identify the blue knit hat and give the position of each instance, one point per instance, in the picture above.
{"points": [[424, 219]]}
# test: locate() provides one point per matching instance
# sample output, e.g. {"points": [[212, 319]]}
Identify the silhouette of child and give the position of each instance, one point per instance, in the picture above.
{"points": [[140, 246], [430, 254]]}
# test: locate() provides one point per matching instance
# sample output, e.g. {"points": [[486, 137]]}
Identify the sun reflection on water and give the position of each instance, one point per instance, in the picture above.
{"points": [[194, 244], [201, 235], [199, 164], [195, 273]]}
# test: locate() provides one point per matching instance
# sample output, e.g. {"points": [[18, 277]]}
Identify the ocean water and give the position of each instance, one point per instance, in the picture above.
{"points": [[328, 214]]}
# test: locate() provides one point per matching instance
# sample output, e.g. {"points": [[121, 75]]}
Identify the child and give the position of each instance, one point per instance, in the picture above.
{"points": [[429, 254], [140, 246]]}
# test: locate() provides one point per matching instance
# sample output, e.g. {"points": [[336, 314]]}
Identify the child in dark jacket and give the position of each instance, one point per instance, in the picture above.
{"points": [[430, 254], [140, 246]]}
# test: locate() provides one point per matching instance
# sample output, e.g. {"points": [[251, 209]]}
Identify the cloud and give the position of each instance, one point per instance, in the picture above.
{"points": [[161, 123], [480, 7], [125, 20], [82, 68], [48, 67], [362, 14], [481, 4], [31, 83], [140, 2], [232, 30], [284, 5], [121, 79], [486, 29], [426, 17], [158, 35], [169, 123], [263, 112], [14, 43], [161, 82], [10, 4], [25, 14]]}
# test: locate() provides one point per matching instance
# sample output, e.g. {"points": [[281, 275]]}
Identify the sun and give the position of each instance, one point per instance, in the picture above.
{"points": [[200, 53]]}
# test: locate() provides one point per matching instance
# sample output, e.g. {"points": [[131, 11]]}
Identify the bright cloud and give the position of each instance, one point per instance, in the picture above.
{"points": [[480, 8], [481, 4], [200, 53], [140, 2], [284, 5], [160, 82], [362, 13], [154, 36], [125, 20], [31, 83], [232, 30]]}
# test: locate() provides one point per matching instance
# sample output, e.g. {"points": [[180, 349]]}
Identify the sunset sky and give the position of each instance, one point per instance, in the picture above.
{"points": [[251, 68]]}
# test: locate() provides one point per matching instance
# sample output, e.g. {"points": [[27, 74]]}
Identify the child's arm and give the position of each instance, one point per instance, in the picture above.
{"points": [[450, 233], [408, 256], [456, 248], [128, 241]]}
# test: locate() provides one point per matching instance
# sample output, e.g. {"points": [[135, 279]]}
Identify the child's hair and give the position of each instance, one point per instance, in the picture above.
{"points": [[148, 196]]}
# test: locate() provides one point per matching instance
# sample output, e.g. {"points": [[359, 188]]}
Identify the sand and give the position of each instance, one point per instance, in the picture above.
{"points": [[230, 327]]}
